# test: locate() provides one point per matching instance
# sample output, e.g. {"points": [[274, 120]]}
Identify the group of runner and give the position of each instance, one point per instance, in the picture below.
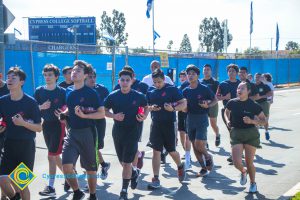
{"points": [[73, 122]]}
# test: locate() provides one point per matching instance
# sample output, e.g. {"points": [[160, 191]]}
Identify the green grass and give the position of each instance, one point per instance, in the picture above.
{"points": [[297, 196]]}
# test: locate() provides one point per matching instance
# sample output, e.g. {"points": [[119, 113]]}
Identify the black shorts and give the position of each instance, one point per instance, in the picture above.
{"points": [[101, 127], [182, 121], [15, 152], [54, 133], [162, 134], [126, 142]]}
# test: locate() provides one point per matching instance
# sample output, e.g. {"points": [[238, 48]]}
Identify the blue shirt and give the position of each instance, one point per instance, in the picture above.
{"points": [[57, 97], [138, 86], [167, 94], [4, 90], [27, 107], [195, 96], [102, 91], [229, 87], [128, 104], [85, 97], [211, 83]]}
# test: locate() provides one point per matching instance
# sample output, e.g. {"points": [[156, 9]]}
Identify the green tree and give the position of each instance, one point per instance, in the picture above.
{"points": [[170, 45], [185, 46], [115, 27], [292, 46], [211, 35], [254, 50], [140, 50]]}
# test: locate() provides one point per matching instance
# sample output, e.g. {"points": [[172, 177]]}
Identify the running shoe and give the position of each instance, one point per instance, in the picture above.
{"points": [[253, 188], [66, 186], [48, 191], [203, 172], [78, 195], [104, 171], [155, 184], [229, 159], [123, 196], [135, 179], [181, 172], [218, 140], [243, 179], [92, 197]]}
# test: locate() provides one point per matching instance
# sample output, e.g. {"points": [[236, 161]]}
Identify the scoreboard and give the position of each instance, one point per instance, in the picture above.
{"points": [[62, 30]]}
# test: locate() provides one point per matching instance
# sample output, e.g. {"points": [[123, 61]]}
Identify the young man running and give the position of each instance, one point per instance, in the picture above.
{"points": [[51, 98], [129, 108], [84, 106], [67, 76], [213, 111], [164, 101], [243, 74], [199, 99], [264, 92], [143, 88], [23, 120], [227, 90], [184, 138], [100, 123]]}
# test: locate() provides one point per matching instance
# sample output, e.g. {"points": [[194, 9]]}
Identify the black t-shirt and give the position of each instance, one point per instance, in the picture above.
{"points": [[229, 87], [138, 86], [65, 85], [263, 89], [254, 90], [240, 109], [4, 90], [57, 97], [211, 83], [128, 104]]}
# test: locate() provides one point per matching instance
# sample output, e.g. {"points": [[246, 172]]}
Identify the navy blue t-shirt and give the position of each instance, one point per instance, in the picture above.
{"points": [[128, 104], [27, 107], [85, 97], [167, 94], [229, 87], [4, 90], [211, 83], [263, 89], [138, 86], [102, 91], [65, 85], [57, 97], [194, 96]]}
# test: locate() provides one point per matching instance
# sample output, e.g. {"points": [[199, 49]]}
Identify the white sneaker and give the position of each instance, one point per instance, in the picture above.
{"points": [[243, 179], [253, 188]]}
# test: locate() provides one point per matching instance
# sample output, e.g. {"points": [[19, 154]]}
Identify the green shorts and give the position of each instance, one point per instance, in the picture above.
{"points": [[266, 108], [213, 111], [245, 136]]}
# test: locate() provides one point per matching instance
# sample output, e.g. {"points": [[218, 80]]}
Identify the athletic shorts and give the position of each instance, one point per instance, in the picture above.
{"points": [[163, 135], [101, 127], [182, 121], [126, 142], [213, 111], [197, 126], [15, 152], [54, 133], [245, 136], [83, 142], [266, 108]]}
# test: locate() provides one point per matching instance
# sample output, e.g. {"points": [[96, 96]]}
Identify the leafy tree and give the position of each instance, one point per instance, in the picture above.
{"points": [[292, 46], [115, 27], [211, 35], [140, 50], [254, 50], [170, 45], [185, 46]]}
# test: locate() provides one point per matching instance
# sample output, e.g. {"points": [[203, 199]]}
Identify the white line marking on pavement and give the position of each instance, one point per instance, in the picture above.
{"points": [[291, 192]]}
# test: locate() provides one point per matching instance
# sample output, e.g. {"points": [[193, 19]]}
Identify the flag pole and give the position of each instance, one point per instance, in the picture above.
{"points": [[153, 29]]}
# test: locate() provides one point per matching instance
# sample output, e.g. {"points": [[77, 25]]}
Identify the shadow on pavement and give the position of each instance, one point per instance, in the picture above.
{"points": [[221, 152], [266, 171], [271, 143], [251, 196], [262, 161], [217, 181], [279, 129]]}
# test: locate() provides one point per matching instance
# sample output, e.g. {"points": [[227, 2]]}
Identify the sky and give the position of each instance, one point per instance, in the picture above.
{"points": [[174, 18]]}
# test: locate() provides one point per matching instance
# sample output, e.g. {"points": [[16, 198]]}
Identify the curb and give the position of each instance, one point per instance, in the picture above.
{"points": [[289, 194]]}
